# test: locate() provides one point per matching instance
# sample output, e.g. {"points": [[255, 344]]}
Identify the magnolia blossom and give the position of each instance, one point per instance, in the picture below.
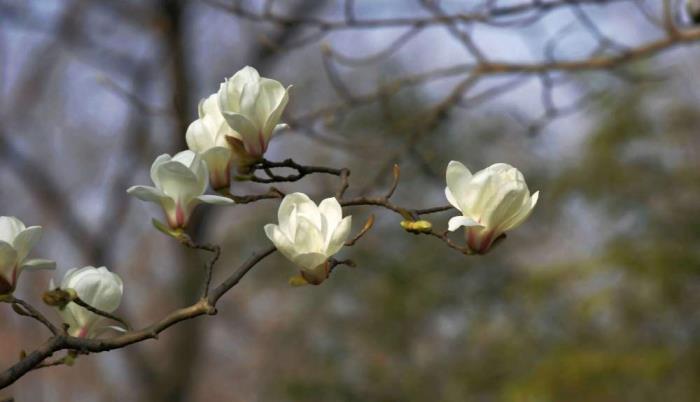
{"points": [[252, 106], [97, 287], [308, 234], [16, 241], [180, 182], [207, 137], [492, 201]]}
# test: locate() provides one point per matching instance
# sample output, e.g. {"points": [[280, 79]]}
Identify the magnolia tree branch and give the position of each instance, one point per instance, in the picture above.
{"points": [[609, 55], [61, 341], [207, 304]]}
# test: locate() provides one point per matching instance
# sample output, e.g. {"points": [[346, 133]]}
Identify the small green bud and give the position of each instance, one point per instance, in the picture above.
{"points": [[59, 297], [417, 227]]}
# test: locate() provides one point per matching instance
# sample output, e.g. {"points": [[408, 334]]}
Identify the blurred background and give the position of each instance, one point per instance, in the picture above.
{"points": [[594, 298]]}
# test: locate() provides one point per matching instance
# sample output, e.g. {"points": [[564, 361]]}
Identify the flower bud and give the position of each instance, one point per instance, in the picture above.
{"points": [[308, 235], [99, 288], [180, 182], [416, 227], [492, 201], [207, 136], [252, 106]]}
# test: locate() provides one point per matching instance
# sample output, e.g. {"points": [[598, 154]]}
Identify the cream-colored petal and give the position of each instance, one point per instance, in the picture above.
{"points": [[10, 227], [273, 101], [331, 210], [248, 103], [506, 205], [457, 177], [281, 241], [458, 221], [451, 198], [147, 193], [98, 287], [339, 236], [288, 209], [8, 259], [308, 238], [198, 136], [215, 200], [219, 161], [523, 214], [253, 142], [178, 182], [310, 261], [161, 159], [38, 264], [25, 241]]}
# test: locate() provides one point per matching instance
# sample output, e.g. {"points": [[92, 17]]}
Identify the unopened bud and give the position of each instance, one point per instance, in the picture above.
{"points": [[59, 297], [417, 227]]}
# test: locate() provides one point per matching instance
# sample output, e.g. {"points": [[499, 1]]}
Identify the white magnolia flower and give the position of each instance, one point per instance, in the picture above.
{"points": [[252, 106], [97, 287], [180, 182], [207, 137], [308, 234], [16, 241], [492, 201]]}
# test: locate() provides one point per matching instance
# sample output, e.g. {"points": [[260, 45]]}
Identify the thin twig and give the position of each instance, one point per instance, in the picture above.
{"points": [[365, 229], [209, 268], [83, 304], [23, 308]]}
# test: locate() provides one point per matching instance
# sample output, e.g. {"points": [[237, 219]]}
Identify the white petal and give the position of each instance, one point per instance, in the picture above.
{"points": [[209, 106], [146, 193], [505, 204], [36, 264], [248, 103], [245, 75], [339, 236], [185, 157], [331, 210], [308, 238], [217, 158], [273, 100], [179, 182], [98, 287], [280, 240], [523, 214], [68, 277], [451, 198], [458, 178], [25, 240], [286, 214], [8, 259], [155, 165], [10, 227], [250, 135], [279, 128], [215, 200], [198, 137], [459, 221], [309, 261]]}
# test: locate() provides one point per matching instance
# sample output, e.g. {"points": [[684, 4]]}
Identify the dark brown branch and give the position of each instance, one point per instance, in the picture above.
{"points": [[302, 171], [23, 308], [368, 225], [83, 345]]}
